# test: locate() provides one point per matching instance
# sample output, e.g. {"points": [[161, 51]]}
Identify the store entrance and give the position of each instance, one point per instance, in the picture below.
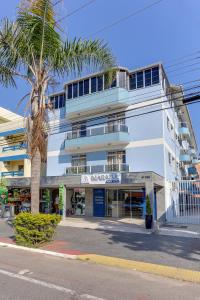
{"points": [[125, 203], [133, 203]]}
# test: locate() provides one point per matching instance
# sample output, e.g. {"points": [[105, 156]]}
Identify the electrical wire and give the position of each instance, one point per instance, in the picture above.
{"points": [[134, 13]]}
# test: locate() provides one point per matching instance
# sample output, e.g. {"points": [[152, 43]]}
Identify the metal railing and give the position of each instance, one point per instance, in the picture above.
{"points": [[97, 169], [14, 147], [12, 174], [96, 131], [184, 202]]}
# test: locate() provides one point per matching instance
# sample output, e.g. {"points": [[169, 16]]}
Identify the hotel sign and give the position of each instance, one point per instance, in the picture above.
{"points": [[104, 178]]}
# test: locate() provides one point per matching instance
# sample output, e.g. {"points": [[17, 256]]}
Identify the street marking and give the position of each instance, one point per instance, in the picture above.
{"points": [[161, 270], [48, 285]]}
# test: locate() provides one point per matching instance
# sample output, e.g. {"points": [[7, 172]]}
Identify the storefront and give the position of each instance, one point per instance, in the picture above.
{"points": [[112, 195]]}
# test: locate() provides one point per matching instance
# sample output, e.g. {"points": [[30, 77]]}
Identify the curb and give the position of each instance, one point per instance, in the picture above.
{"points": [[155, 269], [41, 251], [161, 270]]}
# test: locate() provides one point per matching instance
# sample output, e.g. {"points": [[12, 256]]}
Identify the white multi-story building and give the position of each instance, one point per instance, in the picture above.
{"points": [[111, 144]]}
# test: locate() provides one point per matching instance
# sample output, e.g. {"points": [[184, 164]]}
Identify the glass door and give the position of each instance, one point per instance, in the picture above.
{"points": [[110, 198]]}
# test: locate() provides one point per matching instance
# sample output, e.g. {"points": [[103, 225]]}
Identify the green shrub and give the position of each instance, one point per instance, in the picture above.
{"points": [[148, 206], [34, 230]]}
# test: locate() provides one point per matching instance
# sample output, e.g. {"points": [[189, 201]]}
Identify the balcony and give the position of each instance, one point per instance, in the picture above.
{"points": [[195, 161], [97, 102], [12, 127], [14, 152], [96, 138], [185, 158], [12, 174], [184, 130], [77, 170]]}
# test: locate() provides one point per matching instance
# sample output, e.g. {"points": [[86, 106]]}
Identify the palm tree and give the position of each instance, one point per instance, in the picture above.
{"points": [[32, 49]]}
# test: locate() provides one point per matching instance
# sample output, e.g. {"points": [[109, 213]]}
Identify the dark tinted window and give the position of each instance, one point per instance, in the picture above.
{"points": [[140, 82], [62, 100], [56, 102], [81, 88], [114, 83], [132, 82], [75, 90], [86, 86], [147, 77], [155, 75], [100, 83], [93, 84], [69, 94]]}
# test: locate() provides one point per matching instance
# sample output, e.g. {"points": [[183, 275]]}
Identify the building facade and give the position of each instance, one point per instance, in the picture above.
{"points": [[14, 159], [117, 141]]}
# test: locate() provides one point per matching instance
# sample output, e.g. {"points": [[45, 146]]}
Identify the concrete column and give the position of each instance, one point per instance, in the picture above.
{"points": [[161, 211], [88, 202], [69, 194], [27, 168], [64, 202]]}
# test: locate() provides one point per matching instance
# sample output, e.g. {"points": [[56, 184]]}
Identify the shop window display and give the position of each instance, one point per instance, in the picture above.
{"points": [[78, 202]]}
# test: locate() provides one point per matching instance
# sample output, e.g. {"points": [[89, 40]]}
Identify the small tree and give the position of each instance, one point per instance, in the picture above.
{"points": [[148, 206], [32, 48]]}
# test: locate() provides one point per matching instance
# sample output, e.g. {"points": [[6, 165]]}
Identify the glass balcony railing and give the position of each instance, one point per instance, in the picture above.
{"points": [[183, 129], [97, 169], [94, 131], [12, 174]]}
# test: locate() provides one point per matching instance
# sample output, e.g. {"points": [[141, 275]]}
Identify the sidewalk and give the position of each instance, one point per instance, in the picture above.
{"points": [[131, 226], [121, 225]]}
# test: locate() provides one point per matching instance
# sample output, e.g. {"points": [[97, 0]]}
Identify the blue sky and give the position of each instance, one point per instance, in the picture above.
{"points": [[165, 32]]}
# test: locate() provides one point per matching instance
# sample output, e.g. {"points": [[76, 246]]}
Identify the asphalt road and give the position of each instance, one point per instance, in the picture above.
{"points": [[166, 250], [25, 275]]}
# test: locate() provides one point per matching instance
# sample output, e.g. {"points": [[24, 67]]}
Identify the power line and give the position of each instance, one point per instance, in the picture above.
{"points": [[76, 10], [137, 100], [191, 100], [67, 127], [126, 17]]}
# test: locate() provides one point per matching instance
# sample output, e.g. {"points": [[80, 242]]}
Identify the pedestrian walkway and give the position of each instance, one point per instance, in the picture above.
{"points": [[121, 225]]}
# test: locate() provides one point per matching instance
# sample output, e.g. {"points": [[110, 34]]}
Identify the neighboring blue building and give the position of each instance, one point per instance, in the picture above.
{"points": [[118, 141]]}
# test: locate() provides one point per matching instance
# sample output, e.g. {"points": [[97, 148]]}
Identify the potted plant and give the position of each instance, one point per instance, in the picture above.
{"points": [[149, 216]]}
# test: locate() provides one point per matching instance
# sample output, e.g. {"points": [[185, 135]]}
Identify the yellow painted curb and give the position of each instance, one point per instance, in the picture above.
{"points": [[166, 271]]}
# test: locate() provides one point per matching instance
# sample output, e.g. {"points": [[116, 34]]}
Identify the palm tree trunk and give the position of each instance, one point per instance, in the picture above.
{"points": [[35, 181]]}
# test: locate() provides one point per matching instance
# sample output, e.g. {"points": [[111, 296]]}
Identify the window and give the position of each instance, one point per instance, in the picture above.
{"points": [[155, 75], [100, 83], [114, 81], [62, 101], [78, 163], [86, 86], [132, 82], [80, 88], [75, 90], [116, 159], [148, 77], [56, 105], [93, 84], [69, 94], [116, 122], [140, 81], [78, 130], [57, 101]]}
